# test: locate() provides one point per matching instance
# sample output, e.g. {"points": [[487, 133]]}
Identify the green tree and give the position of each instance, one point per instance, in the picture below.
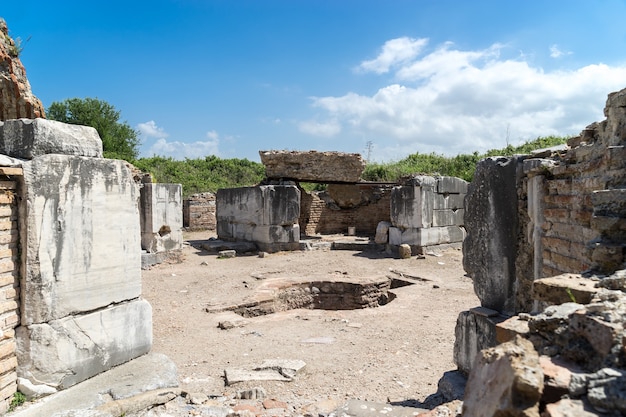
{"points": [[119, 140]]}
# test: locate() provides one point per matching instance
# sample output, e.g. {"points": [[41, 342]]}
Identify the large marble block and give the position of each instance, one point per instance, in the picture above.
{"points": [[28, 138], [81, 236], [412, 205], [426, 237], [161, 217], [64, 352], [259, 206]]}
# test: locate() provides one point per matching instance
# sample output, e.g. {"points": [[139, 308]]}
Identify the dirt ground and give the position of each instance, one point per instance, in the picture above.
{"points": [[393, 353]]}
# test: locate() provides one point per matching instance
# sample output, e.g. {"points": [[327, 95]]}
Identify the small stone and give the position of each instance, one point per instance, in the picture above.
{"points": [[227, 254], [404, 251], [197, 398], [262, 254], [256, 393]]}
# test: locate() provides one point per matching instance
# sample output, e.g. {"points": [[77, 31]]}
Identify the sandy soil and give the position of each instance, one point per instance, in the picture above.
{"points": [[393, 353]]}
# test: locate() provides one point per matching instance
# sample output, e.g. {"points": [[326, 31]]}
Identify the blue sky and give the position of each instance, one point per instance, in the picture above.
{"points": [[232, 77]]}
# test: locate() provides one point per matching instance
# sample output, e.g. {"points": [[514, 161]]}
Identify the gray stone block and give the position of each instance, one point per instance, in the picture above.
{"points": [[412, 206], [473, 332], [448, 201], [263, 205], [161, 217], [491, 221], [29, 138], [448, 217], [426, 237], [451, 185], [276, 234], [64, 352], [80, 232], [382, 232]]}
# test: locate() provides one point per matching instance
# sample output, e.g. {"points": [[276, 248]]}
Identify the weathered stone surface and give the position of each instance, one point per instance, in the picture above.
{"points": [[605, 389], [161, 217], [382, 233], [426, 236], [564, 288], [127, 383], [16, 97], [568, 408], [491, 221], [557, 377], [473, 332], [507, 380], [412, 206], [313, 165], [452, 385], [449, 201], [345, 195], [80, 228], [404, 251], [63, 352], [511, 327], [448, 217], [451, 185], [267, 215], [257, 206], [28, 138]]}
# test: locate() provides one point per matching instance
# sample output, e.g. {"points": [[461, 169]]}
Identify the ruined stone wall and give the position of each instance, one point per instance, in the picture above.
{"points": [[9, 289], [199, 212], [528, 217], [581, 199], [322, 214]]}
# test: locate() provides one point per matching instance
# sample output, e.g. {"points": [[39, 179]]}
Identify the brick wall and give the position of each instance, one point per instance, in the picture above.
{"points": [[9, 290], [320, 214], [199, 212], [583, 198]]}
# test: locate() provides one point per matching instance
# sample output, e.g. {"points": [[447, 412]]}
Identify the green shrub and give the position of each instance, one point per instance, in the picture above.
{"points": [[17, 400]]}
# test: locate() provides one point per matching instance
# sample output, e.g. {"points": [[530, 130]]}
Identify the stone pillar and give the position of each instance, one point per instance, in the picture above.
{"points": [[491, 221], [161, 217]]}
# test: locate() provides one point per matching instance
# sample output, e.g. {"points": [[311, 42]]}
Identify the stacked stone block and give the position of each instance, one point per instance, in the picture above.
{"points": [[428, 211], [80, 282], [266, 215], [161, 217], [9, 287]]}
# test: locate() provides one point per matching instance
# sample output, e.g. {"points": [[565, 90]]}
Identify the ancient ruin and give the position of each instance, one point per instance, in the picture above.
{"points": [[422, 211], [544, 241], [546, 250]]}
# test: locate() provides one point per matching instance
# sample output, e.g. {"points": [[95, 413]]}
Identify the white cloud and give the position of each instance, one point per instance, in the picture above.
{"points": [[182, 150], [212, 134], [394, 51], [453, 101], [556, 52], [324, 129], [151, 130]]}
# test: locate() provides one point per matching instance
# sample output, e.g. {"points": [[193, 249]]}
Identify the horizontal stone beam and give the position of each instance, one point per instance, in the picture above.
{"points": [[313, 166]]}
